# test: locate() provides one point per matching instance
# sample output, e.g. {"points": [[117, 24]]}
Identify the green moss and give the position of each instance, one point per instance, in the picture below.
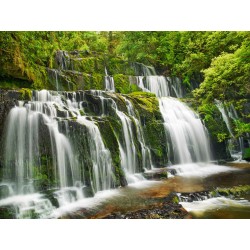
{"points": [[110, 129], [122, 84], [246, 154], [84, 64], [81, 112], [26, 94], [234, 191], [175, 199], [214, 122], [116, 65], [147, 110], [13, 83], [7, 212]]}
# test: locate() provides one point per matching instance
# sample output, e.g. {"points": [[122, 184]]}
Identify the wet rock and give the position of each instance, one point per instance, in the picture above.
{"points": [[156, 174], [87, 192], [168, 209], [49, 194], [195, 196], [7, 212]]}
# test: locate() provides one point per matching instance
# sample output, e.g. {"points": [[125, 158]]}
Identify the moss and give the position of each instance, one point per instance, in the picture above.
{"points": [[122, 84], [13, 83], [147, 109], [142, 94], [97, 81], [175, 199], [214, 122], [110, 128], [116, 65], [26, 94], [7, 212], [246, 154], [84, 64], [81, 112], [234, 191]]}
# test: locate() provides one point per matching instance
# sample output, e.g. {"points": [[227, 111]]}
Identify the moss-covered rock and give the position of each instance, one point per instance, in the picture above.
{"points": [[7, 212], [110, 129], [147, 109], [26, 94], [232, 191]]}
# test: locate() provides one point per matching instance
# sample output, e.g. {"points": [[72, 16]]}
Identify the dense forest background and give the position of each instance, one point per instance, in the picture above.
{"points": [[212, 65]]}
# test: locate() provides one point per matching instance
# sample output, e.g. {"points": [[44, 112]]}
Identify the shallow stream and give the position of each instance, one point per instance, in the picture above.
{"points": [[189, 178]]}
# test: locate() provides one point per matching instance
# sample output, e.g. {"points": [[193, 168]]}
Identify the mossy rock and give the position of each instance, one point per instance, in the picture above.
{"points": [[116, 65], [214, 122], [26, 94], [232, 191], [110, 129], [7, 212], [246, 154], [147, 110]]}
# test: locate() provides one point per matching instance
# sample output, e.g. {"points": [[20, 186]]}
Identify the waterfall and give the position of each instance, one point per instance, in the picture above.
{"points": [[128, 154], [40, 128], [186, 134], [187, 137], [142, 69], [101, 158], [235, 145], [126, 141], [109, 82], [225, 117], [145, 151], [158, 85]]}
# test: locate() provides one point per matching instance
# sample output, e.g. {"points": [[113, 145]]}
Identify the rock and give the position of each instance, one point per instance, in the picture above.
{"points": [[7, 212], [87, 192], [156, 174], [168, 209]]}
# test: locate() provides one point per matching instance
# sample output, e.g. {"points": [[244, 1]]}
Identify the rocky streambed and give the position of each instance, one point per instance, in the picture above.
{"points": [[222, 194]]}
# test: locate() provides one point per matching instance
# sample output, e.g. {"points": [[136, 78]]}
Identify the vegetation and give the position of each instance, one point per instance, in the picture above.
{"points": [[212, 65]]}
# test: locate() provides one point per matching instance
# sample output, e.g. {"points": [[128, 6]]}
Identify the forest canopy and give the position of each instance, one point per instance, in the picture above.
{"points": [[212, 65]]}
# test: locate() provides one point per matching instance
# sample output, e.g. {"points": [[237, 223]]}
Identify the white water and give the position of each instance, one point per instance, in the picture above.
{"points": [[187, 136], [158, 85], [213, 204], [145, 151], [23, 155], [129, 161], [126, 142], [109, 82], [200, 169], [235, 145], [100, 156]]}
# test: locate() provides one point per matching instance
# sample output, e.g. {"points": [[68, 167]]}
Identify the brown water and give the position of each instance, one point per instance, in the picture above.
{"points": [[150, 193]]}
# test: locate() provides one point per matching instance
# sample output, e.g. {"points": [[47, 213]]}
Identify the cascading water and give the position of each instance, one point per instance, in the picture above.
{"points": [[186, 135], [235, 145], [47, 113], [145, 151], [158, 85], [109, 82], [127, 145], [127, 148]]}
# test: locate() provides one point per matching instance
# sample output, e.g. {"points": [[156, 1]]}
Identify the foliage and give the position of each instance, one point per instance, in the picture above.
{"points": [[242, 127], [26, 55], [227, 77], [212, 117], [183, 54], [219, 60]]}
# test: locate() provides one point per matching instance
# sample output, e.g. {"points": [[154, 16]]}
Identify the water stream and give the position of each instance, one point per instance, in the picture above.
{"points": [[229, 114], [56, 161]]}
